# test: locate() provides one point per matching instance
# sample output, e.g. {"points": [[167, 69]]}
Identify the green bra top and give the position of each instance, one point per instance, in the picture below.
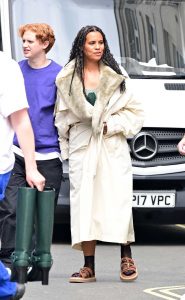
{"points": [[91, 96]]}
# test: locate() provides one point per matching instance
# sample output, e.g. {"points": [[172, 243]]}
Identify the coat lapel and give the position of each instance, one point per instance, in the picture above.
{"points": [[76, 101], [109, 82]]}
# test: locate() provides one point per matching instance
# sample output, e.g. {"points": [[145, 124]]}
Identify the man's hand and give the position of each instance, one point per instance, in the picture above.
{"points": [[181, 146], [35, 179]]}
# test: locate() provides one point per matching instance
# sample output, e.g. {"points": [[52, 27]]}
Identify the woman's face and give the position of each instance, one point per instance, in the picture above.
{"points": [[93, 47]]}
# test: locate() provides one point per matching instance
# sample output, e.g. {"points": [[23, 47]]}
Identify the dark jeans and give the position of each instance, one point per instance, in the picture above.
{"points": [[51, 170]]}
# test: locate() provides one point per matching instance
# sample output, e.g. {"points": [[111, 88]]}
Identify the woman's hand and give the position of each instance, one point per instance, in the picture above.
{"points": [[104, 128]]}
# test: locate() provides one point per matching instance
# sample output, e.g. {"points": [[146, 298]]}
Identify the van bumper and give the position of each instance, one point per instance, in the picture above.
{"points": [[174, 215]]}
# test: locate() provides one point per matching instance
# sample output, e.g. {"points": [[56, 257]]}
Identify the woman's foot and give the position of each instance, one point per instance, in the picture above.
{"points": [[84, 275], [128, 269]]}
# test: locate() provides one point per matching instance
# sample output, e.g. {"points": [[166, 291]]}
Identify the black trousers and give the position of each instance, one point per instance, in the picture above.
{"points": [[51, 170]]}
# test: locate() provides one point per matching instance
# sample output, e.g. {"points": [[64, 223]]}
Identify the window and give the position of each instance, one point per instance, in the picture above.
{"points": [[66, 17]]}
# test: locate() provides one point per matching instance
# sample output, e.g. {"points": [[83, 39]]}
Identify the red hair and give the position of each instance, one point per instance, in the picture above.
{"points": [[43, 32]]}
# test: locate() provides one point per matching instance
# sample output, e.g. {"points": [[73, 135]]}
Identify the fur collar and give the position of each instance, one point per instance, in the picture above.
{"points": [[109, 82]]}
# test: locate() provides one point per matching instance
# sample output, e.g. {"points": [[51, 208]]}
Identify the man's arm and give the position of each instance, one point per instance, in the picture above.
{"points": [[22, 126]]}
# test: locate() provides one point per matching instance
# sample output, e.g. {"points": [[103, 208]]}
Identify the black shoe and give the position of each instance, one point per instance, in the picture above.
{"points": [[5, 256], [7, 262], [34, 274], [19, 292]]}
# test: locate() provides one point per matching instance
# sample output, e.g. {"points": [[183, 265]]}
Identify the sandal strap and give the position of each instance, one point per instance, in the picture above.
{"points": [[84, 272], [127, 264]]}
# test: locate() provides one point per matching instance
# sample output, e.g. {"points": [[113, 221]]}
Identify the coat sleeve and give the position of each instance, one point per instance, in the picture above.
{"points": [[129, 119], [61, 112]]}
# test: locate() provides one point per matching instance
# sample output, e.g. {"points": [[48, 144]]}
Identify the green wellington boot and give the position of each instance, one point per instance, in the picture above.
{"points": [[25, 213], [41, 257]]}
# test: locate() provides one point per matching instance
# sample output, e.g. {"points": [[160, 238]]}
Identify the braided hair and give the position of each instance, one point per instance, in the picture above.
{"points": [[77, 53]]}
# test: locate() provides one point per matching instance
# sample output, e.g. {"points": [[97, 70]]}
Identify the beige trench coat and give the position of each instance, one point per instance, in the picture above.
{"points": [[100, 169]]}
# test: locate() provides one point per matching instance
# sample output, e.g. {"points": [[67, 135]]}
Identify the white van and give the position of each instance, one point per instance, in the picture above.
{"points": [[148, 38]]}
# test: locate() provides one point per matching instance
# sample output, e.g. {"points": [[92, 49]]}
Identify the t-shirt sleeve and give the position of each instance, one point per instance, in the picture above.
{"points": [[13, 97]]}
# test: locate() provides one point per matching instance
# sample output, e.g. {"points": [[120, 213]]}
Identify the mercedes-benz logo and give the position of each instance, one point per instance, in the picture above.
{"points": [[144, 146]]}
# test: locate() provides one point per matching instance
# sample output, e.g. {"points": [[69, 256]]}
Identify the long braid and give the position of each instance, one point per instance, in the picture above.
{"points": [[77, 53]]}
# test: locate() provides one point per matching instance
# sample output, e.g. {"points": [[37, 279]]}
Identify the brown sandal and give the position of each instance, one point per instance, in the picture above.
{"points": [[128, 269], [84, 275]]}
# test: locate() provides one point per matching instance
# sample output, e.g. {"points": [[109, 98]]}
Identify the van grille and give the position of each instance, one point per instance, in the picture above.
{"points": [[174, 86], [166, 154]]}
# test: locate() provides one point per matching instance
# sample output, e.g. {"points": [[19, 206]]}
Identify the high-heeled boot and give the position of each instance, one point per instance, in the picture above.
{"points": [[41, 257], [24, 228]]}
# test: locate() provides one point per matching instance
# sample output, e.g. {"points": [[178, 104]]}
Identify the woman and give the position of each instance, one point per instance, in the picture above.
{"points": [[95, 113]]}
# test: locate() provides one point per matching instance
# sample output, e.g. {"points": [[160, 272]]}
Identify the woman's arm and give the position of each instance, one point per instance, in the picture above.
{"points": [[129, 119], [63, 133], [61, 123]]}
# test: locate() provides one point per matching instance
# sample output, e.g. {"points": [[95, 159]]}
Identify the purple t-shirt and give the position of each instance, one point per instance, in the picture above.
{"points": [[41, 95]]}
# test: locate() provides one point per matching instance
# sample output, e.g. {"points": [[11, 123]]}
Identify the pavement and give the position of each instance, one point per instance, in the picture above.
{"points": [[161, 273]]}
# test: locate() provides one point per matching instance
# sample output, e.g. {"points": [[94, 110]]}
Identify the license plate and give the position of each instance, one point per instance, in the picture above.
{"points": [[154, 199]]}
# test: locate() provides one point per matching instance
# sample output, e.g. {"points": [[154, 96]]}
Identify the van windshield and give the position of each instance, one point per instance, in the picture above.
{"points": [[152, 37], [147, 36]]}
